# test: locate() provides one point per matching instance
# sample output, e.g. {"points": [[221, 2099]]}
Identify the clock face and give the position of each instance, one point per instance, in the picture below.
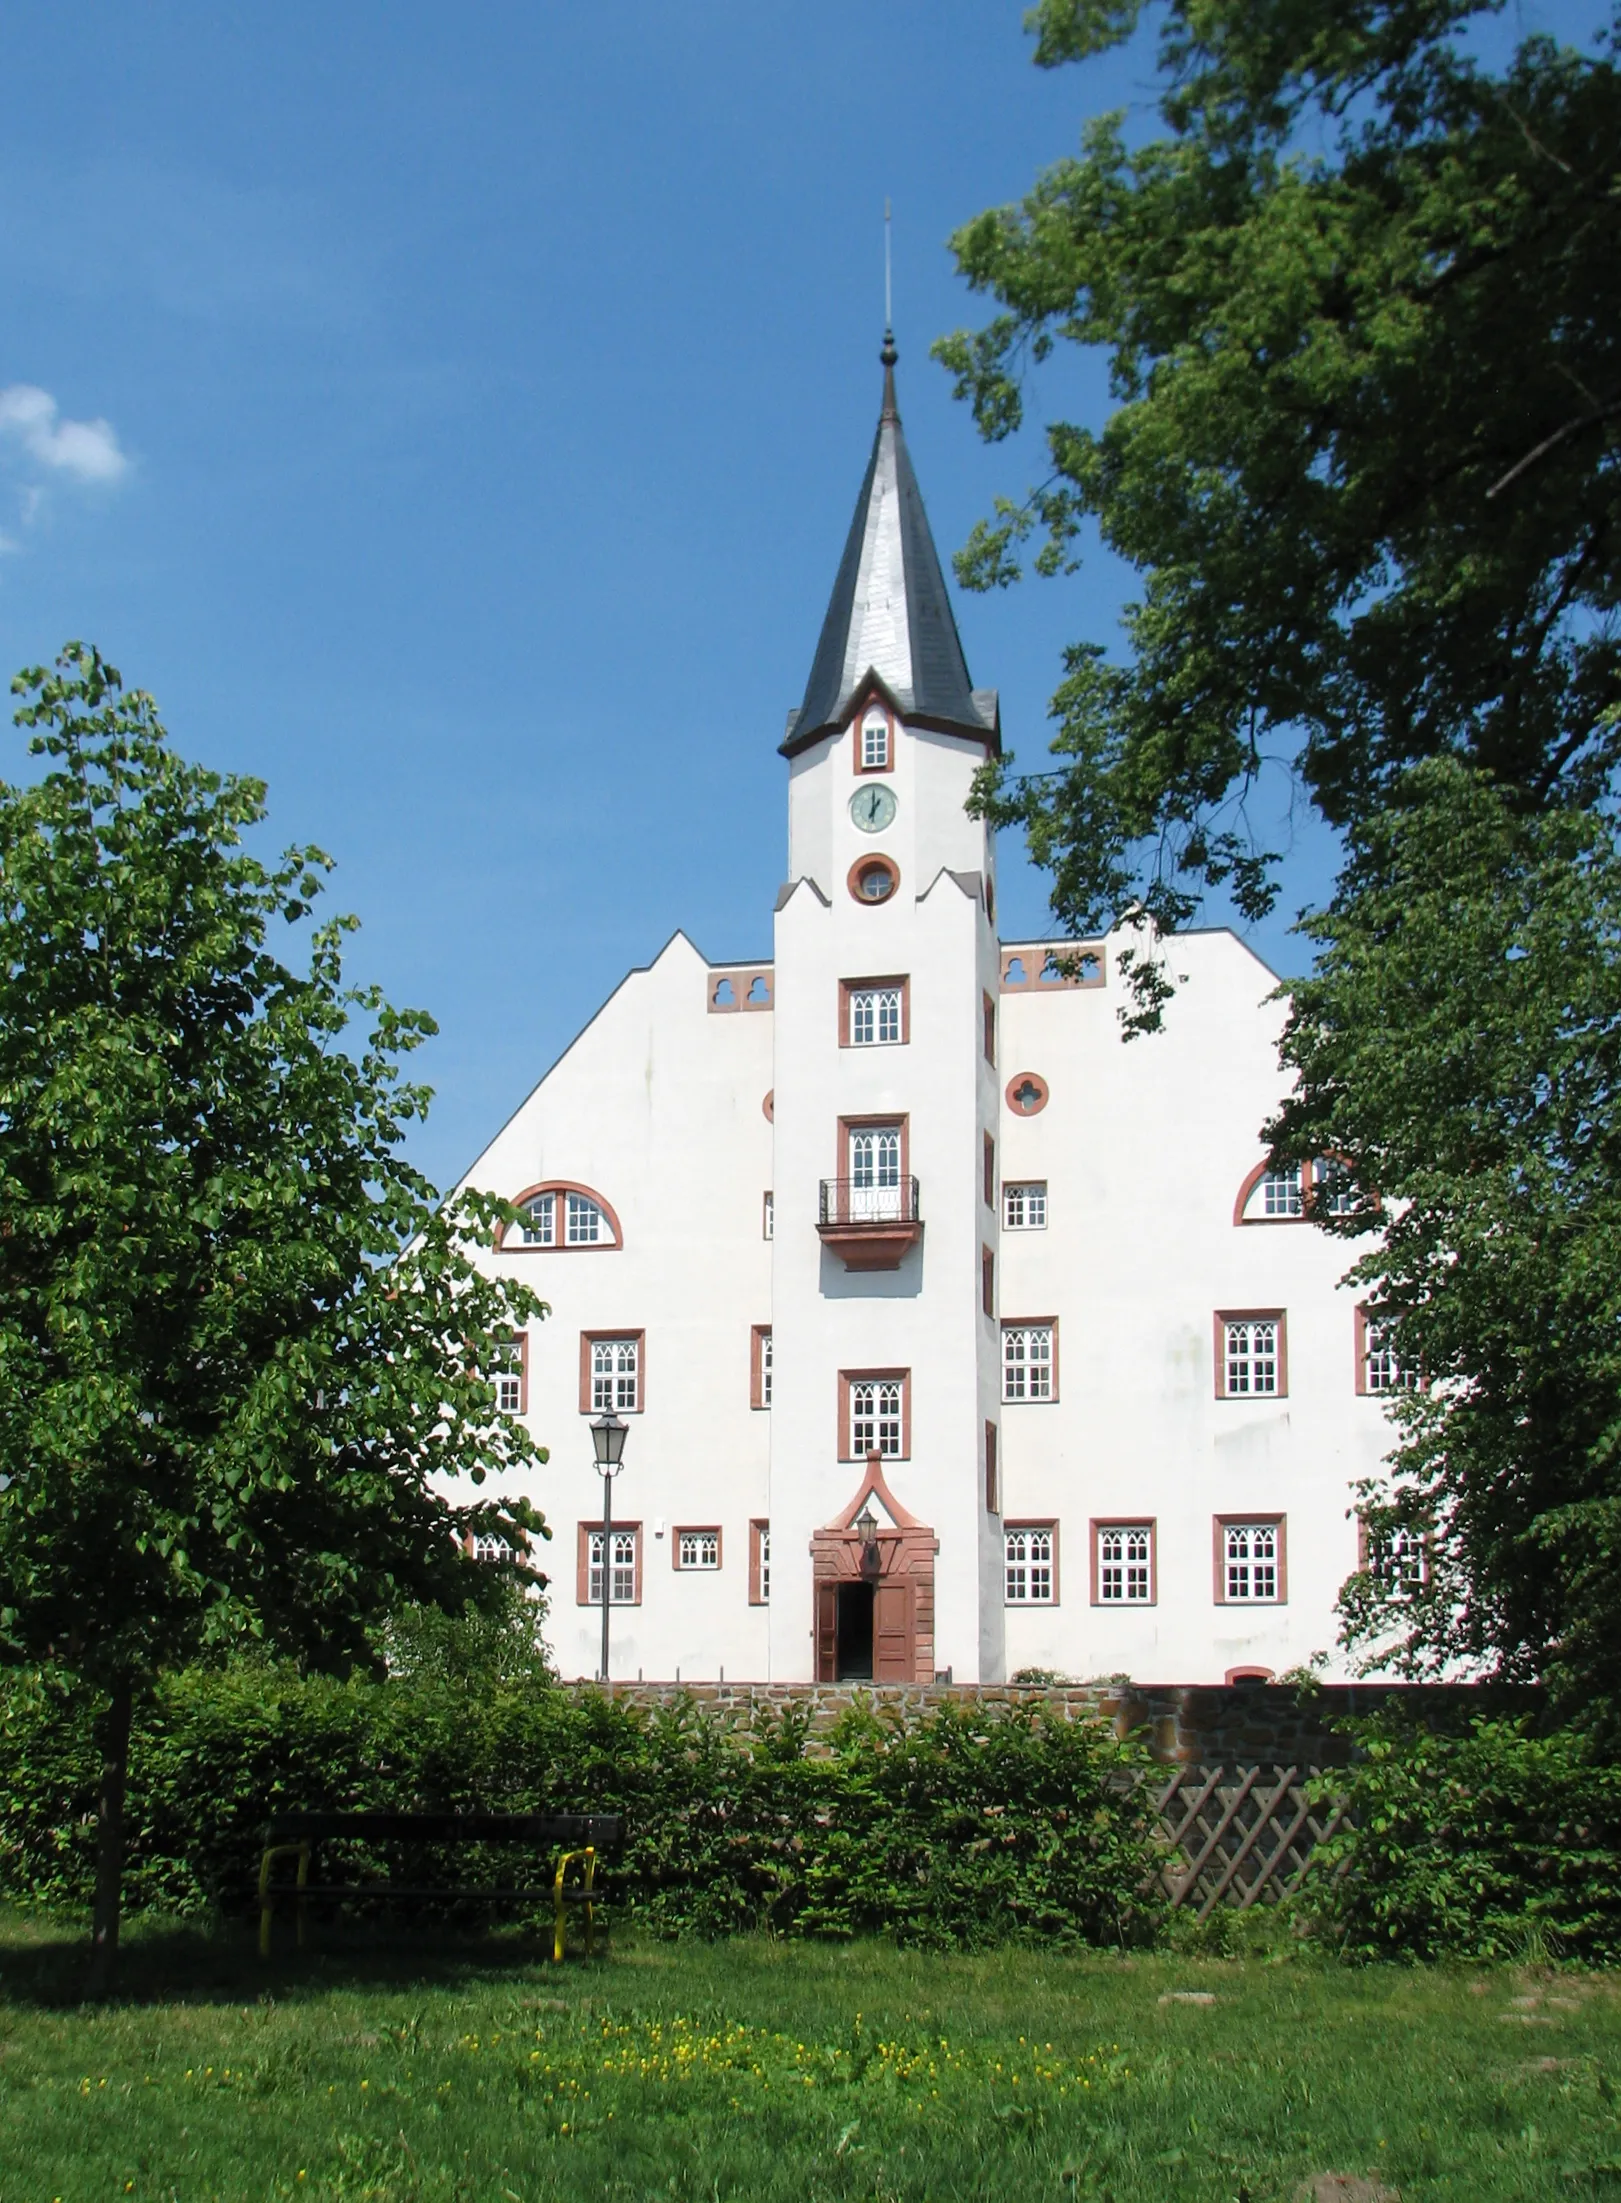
{"points": [[873, 808]]}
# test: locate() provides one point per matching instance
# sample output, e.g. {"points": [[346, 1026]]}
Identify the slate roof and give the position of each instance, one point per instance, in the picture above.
{"points": [[890, 618]]}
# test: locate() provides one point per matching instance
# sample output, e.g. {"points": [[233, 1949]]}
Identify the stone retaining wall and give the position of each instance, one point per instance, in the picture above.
{"points": [[1183, 1724]]}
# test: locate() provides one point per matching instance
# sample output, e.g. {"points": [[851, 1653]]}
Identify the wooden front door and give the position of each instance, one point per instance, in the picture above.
{"points": [[827, 1631], [894, 1651]]}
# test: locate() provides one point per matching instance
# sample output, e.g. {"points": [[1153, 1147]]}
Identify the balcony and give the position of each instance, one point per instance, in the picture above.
{"points": [[869, 1227]]}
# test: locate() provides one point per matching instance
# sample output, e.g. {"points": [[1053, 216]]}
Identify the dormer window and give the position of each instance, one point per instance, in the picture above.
{"points": [[874, 753]]}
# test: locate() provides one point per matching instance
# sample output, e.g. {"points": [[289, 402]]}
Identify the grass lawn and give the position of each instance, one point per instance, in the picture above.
{"points": [[413, 2072]]}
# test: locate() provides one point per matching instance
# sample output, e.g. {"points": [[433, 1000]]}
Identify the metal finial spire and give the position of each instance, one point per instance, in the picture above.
{"points": [[888, 355]]}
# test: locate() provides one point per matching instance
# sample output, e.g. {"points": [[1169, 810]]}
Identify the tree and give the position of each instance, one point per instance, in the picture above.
{"points": [[1458, 1047], [1362, 312], [241, 1344]]}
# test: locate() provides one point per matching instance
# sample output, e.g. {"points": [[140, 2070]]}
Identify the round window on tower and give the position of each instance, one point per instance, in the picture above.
{"points": [[873, 879]]}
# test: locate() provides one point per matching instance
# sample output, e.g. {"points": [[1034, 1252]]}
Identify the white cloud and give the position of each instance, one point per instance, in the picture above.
{"points": [[86, 450]]}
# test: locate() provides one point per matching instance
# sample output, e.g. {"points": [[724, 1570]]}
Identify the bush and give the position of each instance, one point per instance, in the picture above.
{"points": [[1501, 1842], [952, 1829]]}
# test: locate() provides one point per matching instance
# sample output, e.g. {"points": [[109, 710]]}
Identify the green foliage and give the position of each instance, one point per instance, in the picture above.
{"points": [[1361, 307], [240, 1343], [953, 1830], [1459, 1047], [1501, 1843], [243, 1349]]}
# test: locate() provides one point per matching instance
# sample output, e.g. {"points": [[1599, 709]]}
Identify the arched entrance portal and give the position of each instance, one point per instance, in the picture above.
{"points": [[874, 1590]]}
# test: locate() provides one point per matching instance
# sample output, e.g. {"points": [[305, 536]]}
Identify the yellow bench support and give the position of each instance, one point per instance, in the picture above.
{"points": [[589, 1855]]}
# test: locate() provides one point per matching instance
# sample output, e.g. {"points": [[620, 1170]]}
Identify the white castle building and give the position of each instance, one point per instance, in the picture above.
{"points": [[955, 1335]]}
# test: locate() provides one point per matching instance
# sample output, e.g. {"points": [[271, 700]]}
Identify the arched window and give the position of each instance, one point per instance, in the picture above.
{"points": [[1296, 1192], [560, 1217]]}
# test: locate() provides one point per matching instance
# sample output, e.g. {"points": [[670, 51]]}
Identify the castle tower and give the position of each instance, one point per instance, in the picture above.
{"points": [[885, 1501]]}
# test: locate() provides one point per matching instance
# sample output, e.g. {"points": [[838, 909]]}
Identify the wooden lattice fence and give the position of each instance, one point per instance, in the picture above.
{"points": [[1239, 1836]]}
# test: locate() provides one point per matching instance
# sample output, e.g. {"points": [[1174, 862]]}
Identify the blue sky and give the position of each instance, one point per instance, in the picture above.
{"points": [[454, 417]]}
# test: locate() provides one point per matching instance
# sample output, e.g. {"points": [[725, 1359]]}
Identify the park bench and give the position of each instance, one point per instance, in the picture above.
{"points": [[578, 1839]]}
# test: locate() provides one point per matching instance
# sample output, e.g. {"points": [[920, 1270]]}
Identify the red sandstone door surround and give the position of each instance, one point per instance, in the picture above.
{"points": [[901, 1577]]}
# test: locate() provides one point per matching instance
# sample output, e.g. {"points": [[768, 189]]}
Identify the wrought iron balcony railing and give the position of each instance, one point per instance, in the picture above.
{"points": [[849, 1205]]}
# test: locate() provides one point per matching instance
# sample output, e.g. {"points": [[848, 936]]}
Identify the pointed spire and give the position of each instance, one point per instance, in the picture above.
{"points": [[889, 617]]}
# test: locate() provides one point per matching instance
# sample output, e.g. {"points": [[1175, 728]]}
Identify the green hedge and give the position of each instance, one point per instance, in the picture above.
{"points": [[1499, 1842], [954, 1829]]}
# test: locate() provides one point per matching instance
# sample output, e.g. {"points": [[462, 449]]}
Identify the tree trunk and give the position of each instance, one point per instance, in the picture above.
{"points": [[112, 1738]]}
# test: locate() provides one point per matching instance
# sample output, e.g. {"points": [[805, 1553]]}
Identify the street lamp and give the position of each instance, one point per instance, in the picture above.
{"points": [[608, 1435]]}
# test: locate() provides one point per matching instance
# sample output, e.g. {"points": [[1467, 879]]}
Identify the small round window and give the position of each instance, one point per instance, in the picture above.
{"points": [[873, 879]]}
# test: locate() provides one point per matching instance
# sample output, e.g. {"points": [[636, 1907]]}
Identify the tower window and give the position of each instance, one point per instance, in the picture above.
{"points": [[873, 879], [1029, 1361], [873, 751], [875, 1414], [873, 1013], [1024, 1207]]}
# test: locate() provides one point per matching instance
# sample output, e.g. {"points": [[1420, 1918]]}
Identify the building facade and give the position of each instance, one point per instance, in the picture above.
{"points": [[955, 1336]]}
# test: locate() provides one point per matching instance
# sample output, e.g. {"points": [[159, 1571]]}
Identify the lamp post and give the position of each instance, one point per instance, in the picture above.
{"points": [[608, 1435]]}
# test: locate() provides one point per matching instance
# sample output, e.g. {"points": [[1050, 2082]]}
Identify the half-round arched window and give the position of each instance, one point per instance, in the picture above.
{"points": [[1290, 1195], [563, 1218]]}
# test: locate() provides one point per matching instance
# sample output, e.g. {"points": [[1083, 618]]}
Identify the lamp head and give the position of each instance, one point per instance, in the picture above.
{"points": [[608, 1435]]}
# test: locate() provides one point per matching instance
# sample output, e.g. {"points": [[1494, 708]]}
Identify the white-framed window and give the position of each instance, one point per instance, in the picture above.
{"points": [[1124, 1560], [616, 1375], [1027, 1361], [585, 1225], [767, 1367], [539, 1227], [768, 1217], [507, 1374], [1251, 1356], [875, 1017], [491, 1548], [1031, 1573], [874, 743], [875, 1173], [1251, 1558], [875, 1156], [697, 1549], [1381, 1371], [1333, 1192], [1281, 1194], [1398, 1559], [1024, 1207], [623, 1585], [877, 1416], [760, 1563]]}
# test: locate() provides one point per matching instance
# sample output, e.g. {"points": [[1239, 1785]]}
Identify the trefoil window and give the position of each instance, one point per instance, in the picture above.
{"points": [[507, 1375], [1027, 1361], [877, 1421], [1251, 1364], [875, 1017], [622, 1570], [1250, 1563], [698, 1549], [1030, 1573], [615, 1375], [1125, 1563]]}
